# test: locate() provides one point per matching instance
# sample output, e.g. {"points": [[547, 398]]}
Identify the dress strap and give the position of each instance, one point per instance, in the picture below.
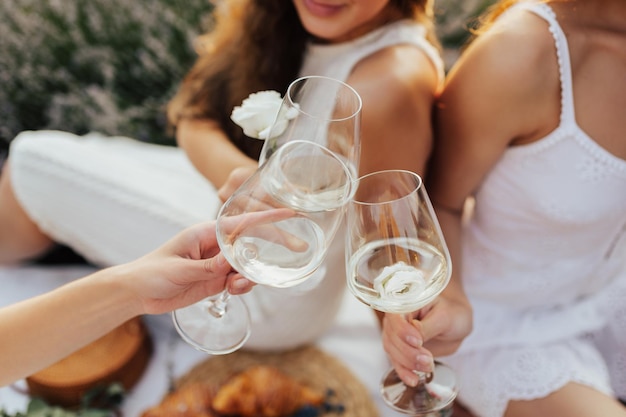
{"points": [[409, 32], [435, 56], [544, 11]]}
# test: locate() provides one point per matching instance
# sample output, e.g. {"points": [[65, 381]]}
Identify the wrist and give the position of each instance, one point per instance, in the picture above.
{"points": [[454, 291], [119, 292]]}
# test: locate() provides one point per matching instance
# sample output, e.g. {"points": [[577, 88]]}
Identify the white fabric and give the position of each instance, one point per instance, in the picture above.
{"points": [[338, 60], [111, 199], [543, 265], [114, 199]]}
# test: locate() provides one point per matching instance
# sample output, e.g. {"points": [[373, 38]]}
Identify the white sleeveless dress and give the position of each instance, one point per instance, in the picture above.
{"points": [[114, 199], [544, 265]]}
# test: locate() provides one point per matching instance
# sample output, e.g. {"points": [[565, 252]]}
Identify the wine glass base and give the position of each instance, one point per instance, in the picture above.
{"points": [[213, 334], [426, 399]]}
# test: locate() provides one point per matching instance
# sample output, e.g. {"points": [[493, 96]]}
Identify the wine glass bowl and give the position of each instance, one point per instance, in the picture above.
{"points": [[322, 110], [311, 185], [397, 262], [419, 276], [309, 177]]}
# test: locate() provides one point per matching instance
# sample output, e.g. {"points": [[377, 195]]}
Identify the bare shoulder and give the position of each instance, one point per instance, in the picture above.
{"points": [[518, 47], [510, 73], [396, 76], [398, 86]]}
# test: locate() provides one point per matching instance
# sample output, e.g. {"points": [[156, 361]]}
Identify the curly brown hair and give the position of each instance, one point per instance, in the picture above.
{"points": [[254, 45]]}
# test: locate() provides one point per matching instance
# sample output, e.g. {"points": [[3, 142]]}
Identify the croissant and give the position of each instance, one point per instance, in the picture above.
{"points": [[192, 400], [263, 391]]}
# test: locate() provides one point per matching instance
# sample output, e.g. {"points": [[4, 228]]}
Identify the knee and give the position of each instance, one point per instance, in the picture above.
{"points": [[20, 237]]}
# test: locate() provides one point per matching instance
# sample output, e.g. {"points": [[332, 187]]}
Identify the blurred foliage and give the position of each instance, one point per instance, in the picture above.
{"points": [[104, 65], [100, 401], [112, 65], [455, 18]]}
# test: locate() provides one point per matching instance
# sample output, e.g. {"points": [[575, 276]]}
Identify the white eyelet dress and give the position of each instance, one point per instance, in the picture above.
{"points": [[113, 199], [544, 265]]}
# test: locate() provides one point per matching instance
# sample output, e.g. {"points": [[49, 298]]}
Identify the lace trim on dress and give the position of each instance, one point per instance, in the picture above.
{"points": [[526, 374], [562, 54]]}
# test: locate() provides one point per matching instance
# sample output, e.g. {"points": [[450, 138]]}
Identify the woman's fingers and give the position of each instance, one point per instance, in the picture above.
{"points": [[237, 284], [265, 225], [402, 342], [237, 177]]}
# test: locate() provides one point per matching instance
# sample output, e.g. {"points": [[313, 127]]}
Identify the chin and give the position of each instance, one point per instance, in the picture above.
{"points": [[325, 31]]}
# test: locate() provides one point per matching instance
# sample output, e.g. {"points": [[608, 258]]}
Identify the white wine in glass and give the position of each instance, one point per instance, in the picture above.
{"points": [[397, 262], [310, 181]]}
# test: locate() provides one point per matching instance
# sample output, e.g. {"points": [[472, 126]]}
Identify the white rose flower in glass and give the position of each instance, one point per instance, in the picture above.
{"points": [[260, 112], [400, 282]]}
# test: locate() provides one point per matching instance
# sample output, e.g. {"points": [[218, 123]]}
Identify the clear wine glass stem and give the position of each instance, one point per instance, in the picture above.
{"points": [[217, 308]]}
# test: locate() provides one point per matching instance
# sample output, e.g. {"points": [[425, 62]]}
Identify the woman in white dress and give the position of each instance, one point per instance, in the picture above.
{"points": [[531, 125], [114, 199]]}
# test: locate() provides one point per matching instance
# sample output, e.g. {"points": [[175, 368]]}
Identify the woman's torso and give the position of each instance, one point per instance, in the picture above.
{"points": [[550, 221]]}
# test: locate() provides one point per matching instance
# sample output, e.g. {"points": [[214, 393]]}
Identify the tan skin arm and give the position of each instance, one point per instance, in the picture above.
{"points": [[397, 86], [181, 272], [210, 150], [479, 114]]}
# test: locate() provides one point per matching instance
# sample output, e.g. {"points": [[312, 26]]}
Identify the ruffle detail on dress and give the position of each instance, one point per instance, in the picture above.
{"points": [[490, 379]]}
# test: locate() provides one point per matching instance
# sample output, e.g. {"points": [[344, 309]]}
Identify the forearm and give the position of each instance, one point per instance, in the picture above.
{"points": [[42, 330], [451, 226], [210, 150]]}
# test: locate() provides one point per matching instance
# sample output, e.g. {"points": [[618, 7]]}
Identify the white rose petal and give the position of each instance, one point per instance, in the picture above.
{"points": [[279, 128], [258, 112], [292, 112], [439, 391], [399, 282]]}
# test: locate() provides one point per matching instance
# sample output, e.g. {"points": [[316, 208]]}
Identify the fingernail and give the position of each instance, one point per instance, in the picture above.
{"points": [[413, 341], [425, 360], [412, 380], [240, 283]]}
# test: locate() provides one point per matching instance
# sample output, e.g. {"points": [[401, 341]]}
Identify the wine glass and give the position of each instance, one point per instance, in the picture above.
{"points": [[322, 110], [274, 230], [297, 198], [397, 262]]}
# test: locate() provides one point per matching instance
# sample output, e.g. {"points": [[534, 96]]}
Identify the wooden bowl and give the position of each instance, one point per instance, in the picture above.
{"points": [[120, 356]]}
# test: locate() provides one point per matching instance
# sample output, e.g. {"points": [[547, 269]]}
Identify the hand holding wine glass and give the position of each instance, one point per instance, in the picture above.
{"points": [[398, 262], [311, 182]]}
